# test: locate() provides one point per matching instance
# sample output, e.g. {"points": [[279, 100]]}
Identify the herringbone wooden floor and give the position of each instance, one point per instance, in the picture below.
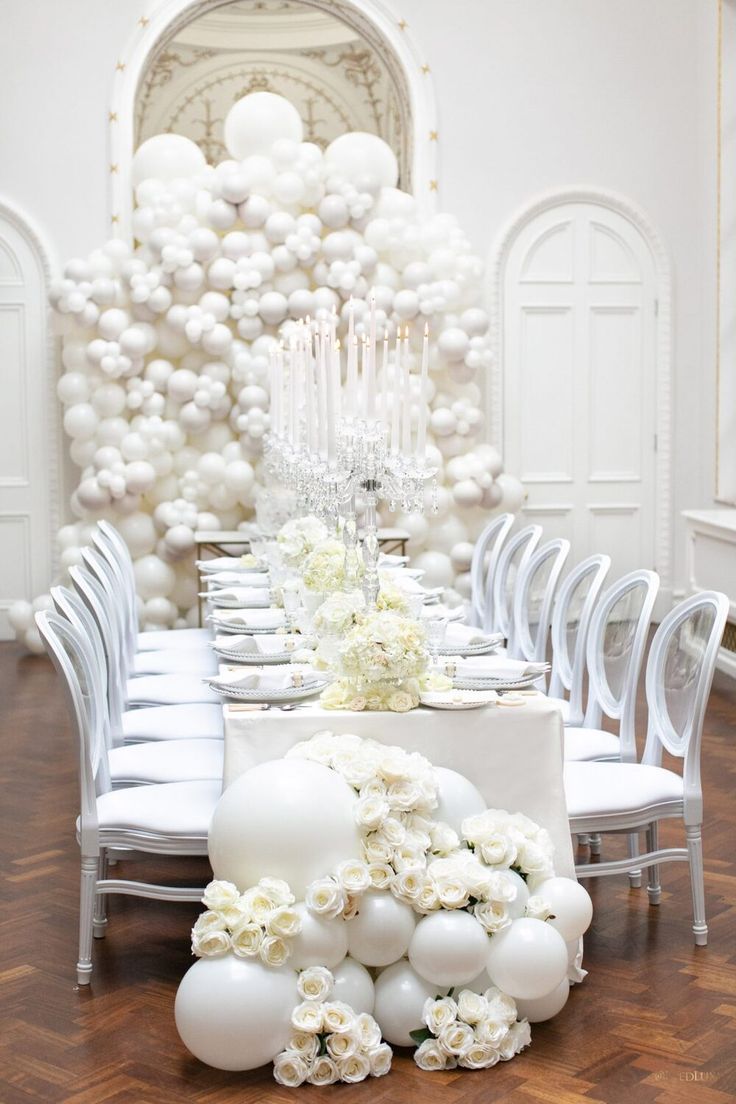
{"points": [[654, 1022]]}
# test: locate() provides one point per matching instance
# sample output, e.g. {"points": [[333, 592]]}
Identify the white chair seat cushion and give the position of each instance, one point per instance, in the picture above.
{"points": [[564, 707], [165, 639], [176, 662], [583, 744], [178, 809], [167, 761], [173, 722], [605, 789], [168, 690]]}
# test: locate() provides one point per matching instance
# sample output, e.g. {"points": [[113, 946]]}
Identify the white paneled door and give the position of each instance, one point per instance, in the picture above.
{"points": [[25, 456], [579, 379]]}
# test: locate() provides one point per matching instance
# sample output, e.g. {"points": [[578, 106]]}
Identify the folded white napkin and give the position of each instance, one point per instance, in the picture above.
{"points": [[251, 618], [399, 573], [241, 597], [222, 579], [479, 667], [438, 610], [390, 559], [227, 563], [458, 635], [263, 644], [265, 680]]}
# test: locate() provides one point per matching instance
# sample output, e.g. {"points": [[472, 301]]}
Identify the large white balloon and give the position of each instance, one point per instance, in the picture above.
{"points": [[449, 947], [381, 931], [363, 159], [321, 941], [354, 986], [544, 1008], [400, 997], [166, 157], [570, 904], [256, 121], [436, 567], [457, 797], [287, 818], [528, 959], [233, 1013]]}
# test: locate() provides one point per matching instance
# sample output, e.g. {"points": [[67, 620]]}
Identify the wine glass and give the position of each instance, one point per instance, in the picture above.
{"points": [[436, 630]]}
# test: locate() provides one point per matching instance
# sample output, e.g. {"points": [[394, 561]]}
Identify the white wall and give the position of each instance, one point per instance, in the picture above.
{"points": [[532, 94]]}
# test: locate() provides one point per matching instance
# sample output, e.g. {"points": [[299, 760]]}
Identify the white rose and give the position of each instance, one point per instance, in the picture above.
{"points": [[452, 892], [492, 915], [343, 1044], [533, 859], [438, 1013], [374, 787], [443, 838], [315, 983], [284, 922], [376, 849], [289, 1069], [352, 905], [324, 897], [323, 1071], [258, 904], [405, 857], [274, 951], [212, 944], [517, 1037], [278, 890], [404, 794], [537, 908], [355, 769], [393, 831], [371, 811], [498, 850], [219, 895], [455, 1038], [304, 1044], [479, 1056], [500, 888], [427, 901], [428, 1056], [353, 1069], [409, 884], [208, 922], [370, 1032], [471, 1007], [395, 766], [491, 1032], [338, 1016], [501, 1006], [353, 876], [247, 939], [307, 1017], [380, 1059], [380, 875]]}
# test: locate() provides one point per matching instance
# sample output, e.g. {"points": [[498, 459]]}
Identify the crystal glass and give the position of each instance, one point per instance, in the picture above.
{"points": [[436, 632]]}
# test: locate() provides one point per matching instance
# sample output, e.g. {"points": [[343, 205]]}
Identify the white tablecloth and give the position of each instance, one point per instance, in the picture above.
{"points": [[513, 754]]}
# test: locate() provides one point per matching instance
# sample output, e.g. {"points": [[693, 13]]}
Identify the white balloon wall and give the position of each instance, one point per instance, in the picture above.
{"points": [[166, 346]]}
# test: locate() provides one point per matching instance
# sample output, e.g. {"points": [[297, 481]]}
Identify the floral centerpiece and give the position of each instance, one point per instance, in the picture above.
{"points": [[300, 536], [324, 567], [380, 662]]}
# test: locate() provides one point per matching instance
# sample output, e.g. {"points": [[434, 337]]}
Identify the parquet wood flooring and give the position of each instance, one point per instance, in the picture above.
{"points": [[654, 1022]]}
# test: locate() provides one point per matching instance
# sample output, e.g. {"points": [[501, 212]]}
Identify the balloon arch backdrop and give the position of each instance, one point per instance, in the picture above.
{"points": [[166, 346]]}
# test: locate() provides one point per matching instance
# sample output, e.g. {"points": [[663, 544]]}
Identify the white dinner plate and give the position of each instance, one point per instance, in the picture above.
{"points": [[495, 683], [289, 693], [472, 649], [228, 563], [458, 699], [253, 659]]}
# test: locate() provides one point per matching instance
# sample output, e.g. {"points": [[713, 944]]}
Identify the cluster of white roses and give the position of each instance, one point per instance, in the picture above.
{"points": [[384, 647], [324, 570], [510, 839], [256, 924], [300, 536], [330, 1042], [475, 1031]]}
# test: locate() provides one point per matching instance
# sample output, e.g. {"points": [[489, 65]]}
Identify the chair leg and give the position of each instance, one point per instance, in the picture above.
{"points": [[99, 922], [695, 852], [653, 887], [86, 908], [634, 875], [595, 843], [583, 841]]}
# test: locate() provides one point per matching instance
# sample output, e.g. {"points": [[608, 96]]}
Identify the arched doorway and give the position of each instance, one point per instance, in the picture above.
{"points": [[581, 305], [29, 463], [384, 38]]}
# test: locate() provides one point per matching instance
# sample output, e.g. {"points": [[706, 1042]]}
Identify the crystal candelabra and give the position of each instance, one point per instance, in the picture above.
{"points": [[364, 465]]}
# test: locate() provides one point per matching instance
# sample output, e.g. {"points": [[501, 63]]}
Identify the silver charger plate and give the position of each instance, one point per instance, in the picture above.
{"points": [[289, 693], [495, 683], [471, 649], [231, 627], [253, 659]]}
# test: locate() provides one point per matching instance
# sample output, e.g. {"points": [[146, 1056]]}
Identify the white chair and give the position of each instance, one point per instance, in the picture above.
{"points": [[630, 796], [165, 639], [570, 624], [190, 720], [512, 559], [165, 689], [534, 596], [486, 551], [144, 763], [169, 819]]}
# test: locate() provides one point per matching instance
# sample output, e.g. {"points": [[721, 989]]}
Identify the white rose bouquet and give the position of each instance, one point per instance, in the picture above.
{"points": [[299, 537], [329, 1042], [324, 567], [259, 923], [474, 1032], [339, 613]]}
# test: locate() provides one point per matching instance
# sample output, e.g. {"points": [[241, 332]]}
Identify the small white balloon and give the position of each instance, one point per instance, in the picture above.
{"points": [[528, 959], [570, 904], [321, 942], [256, 121], [354, 986], [20, 616], [381, 931], [457, 798], [544, 1008], [449, 948], [166, 157], [400, 995]]}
